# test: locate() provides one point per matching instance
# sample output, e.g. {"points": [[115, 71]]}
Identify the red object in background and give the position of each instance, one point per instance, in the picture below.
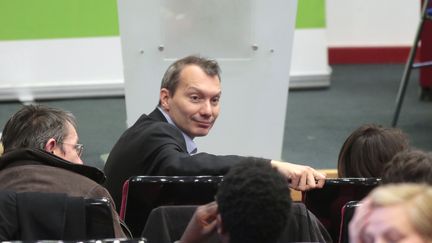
{"points": [[368, 55], [426, 54]]}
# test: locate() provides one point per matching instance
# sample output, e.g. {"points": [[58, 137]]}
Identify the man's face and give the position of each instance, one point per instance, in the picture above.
{"points": [[194, 106], [69, 152]]}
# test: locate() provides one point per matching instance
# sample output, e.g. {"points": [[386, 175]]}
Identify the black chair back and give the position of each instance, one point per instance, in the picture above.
{"points": [[166, 224], [326, 203], [347, 213], [31, 216], [141, 194], [99, 221]]}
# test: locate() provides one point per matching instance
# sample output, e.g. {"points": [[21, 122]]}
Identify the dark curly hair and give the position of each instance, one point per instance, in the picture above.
{"points": [[254, 202], [409, 166]]}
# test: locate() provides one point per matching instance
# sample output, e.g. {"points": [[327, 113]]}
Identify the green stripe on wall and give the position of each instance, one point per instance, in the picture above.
{"points": [[311, 14], [45, 19]]}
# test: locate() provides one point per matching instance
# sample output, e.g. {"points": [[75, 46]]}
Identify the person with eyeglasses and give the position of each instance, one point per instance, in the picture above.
{"points": [[78, 148], [42, 154]]}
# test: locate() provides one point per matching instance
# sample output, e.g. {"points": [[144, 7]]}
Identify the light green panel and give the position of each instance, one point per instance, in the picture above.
{"points": [[311, 14], [45, 19]]}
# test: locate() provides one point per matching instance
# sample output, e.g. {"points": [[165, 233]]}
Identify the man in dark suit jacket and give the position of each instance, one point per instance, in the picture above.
{"points": [[162, 143]]}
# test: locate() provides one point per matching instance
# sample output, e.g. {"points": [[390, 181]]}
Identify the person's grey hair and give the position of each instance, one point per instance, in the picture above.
{"points": [[171, 77], [33, 125]]}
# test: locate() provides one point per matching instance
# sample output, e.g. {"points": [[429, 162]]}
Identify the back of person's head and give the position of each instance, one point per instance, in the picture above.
{"points": [[171, 77], [415, 198], [33, 125], [409, 166], [254, 203], [366, 151]]}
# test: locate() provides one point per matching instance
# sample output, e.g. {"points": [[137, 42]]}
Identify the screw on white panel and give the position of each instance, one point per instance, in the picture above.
{"points": [[141, 52], [161, 48], [254, 47]]}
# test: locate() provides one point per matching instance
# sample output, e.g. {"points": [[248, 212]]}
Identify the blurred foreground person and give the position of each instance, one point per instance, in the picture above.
{"points": [[394, 213]]}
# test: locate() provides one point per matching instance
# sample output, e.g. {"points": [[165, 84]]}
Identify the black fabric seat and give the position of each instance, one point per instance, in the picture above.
{"points": [[30, 216], [348, 211], [166, 224], [141, 194], [326, 203]]}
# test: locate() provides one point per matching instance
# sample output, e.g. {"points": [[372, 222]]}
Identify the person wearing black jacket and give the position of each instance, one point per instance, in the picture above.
{"points": [[162, 143]]}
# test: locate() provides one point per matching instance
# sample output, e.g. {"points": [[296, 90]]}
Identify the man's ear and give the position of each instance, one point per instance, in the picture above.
{"points": [[51, 145], [164, 98]]}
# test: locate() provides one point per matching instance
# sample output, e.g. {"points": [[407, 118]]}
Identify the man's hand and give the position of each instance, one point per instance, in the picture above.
{"points": [[202, 224], [301, 177]]}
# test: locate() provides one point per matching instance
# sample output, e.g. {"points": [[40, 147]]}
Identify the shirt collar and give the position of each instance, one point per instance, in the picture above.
{"points": [[190, 144]]}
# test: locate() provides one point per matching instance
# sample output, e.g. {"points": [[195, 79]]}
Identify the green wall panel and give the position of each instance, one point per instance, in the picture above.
{"points": [[45, 19], [311, 14]]}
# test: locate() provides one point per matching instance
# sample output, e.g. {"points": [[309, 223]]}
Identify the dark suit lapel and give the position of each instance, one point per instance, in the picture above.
{"points": [[157, 115]]}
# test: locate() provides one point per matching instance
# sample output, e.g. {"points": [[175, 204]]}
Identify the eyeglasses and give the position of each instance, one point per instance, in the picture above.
{"points": [[78, 147]]}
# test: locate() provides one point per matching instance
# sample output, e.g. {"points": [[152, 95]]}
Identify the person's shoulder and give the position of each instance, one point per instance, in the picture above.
{"points": [[147, 125], [40, 173], [150, 130], [299, 207], [151, 121], [45, 178], [154, 116], [42, 160], [90, 175]]}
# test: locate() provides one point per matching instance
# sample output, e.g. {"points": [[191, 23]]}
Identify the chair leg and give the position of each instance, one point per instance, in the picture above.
{"points": [[409, 66], [402, 88]]}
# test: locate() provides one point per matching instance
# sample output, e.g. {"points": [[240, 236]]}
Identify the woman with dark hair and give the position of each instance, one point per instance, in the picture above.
{"points": [[366, 151]]}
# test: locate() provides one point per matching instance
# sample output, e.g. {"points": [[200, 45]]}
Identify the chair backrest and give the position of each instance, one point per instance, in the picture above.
{"points": [[125, 192], [144, 193], [347, 213], [326, 203], [99, 220], [166, 224], [31, 216]]}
